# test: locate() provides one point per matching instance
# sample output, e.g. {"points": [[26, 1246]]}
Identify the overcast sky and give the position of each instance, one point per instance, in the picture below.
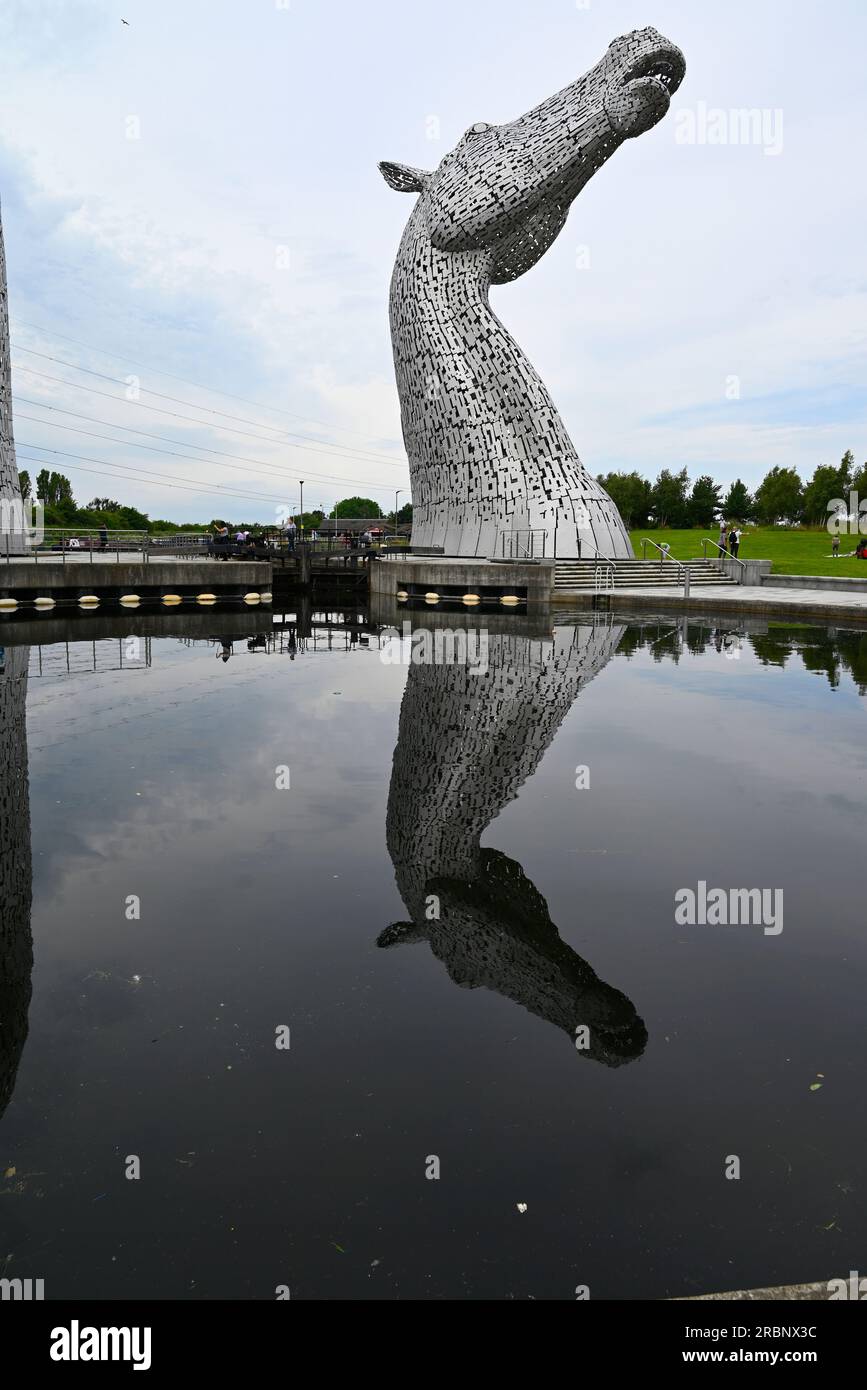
{"points": [[705, 306]]}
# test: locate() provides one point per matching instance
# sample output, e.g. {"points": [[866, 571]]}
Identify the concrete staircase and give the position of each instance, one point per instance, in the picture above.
{"points": [[636, 574]]}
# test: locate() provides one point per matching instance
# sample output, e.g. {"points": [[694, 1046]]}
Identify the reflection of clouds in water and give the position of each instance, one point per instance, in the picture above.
{"points": [[466, 744]]}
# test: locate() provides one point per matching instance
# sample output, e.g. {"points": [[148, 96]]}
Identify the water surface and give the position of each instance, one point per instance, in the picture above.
{"points": [[159, 773]]}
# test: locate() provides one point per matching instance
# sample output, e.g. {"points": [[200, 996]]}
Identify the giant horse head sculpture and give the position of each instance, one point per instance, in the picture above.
{"points": [[487, 450]]}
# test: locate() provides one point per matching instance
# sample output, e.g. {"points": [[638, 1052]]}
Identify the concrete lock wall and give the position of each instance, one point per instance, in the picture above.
{"points": [[25, 577], [748, 571], [435, 573], [816, 581]]}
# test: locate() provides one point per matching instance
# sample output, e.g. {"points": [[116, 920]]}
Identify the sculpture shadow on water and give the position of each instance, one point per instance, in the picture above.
{"points": [[466, 744]]}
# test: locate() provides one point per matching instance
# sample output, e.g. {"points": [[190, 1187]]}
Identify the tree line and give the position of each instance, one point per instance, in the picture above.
{"points": [[782, 496], [62, 510]]}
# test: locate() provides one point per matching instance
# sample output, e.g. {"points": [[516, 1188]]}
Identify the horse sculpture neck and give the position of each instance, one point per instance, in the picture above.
{"points": [[487, 448]]}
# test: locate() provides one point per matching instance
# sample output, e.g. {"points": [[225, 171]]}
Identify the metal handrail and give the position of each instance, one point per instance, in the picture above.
{"points": [[609, 567], [597, 554], [529, 546], [722, 551], [667, 555]]}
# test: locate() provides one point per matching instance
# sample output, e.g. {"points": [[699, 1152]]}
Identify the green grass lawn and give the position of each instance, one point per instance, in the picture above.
{"points": [[792, 551]]}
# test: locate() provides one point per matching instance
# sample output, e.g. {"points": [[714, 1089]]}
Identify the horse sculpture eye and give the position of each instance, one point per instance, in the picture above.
{"points": [[479, 128]]}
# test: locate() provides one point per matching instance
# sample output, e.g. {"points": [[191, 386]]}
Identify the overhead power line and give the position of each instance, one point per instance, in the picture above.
{"points": [[284, 435], [277, 469], [128, 468], [159, 410], [214, 391], [78, 468]]}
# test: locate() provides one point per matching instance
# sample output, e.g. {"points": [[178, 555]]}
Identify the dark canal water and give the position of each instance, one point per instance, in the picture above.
{"points": [[390, 867]]}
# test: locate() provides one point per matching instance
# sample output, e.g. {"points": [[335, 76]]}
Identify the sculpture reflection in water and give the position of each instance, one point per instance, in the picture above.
{"points": [[16, 945], [466, 744]]}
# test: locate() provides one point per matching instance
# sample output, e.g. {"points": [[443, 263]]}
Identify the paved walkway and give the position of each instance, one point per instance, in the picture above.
{"points": [[737, 598]]}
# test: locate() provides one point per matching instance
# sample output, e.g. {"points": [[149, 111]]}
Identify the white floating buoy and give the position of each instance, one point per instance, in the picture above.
{"points": [[88, 601], [43, 603], [266, 598], [510, 599], [172, 598], [251, 598], [472, 598], [431, 598], [8, 605], [130, 600], [402, 595], [206, 598]]}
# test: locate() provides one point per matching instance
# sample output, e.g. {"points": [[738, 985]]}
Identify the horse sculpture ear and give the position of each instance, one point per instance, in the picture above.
{"points": [[402, 178]]}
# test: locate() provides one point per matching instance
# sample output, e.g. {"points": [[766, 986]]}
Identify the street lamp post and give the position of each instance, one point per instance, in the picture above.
{"points": [[396, 495], [301, 518]]}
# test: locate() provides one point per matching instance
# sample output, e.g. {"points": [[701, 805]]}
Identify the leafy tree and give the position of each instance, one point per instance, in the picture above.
{"points": [[704, 502], [859, 481], [354, 507], [55, 489], [104, 504], [738, 504], [60, 489], [780, 496], [24, 480], [826, 485], [133, 519], [631, 495], [669, 503]]}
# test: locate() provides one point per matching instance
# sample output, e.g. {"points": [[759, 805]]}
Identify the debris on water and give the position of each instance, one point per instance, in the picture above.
{"points": [[10, 1172], [522, 1207], [338, 1247]]}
